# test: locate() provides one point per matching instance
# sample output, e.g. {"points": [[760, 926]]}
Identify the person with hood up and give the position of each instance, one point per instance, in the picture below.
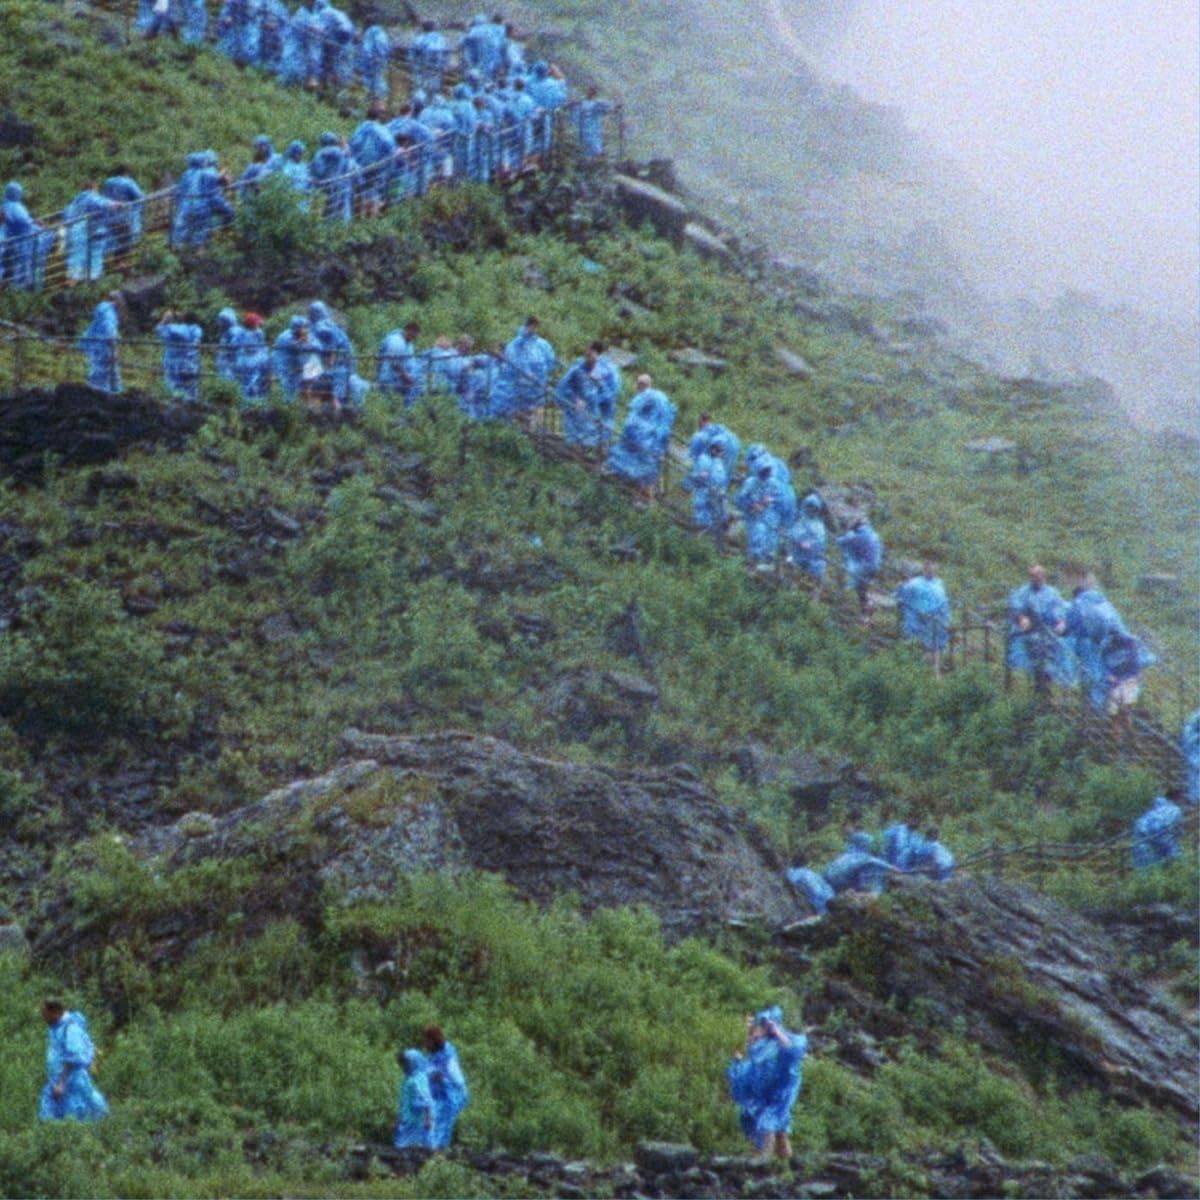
{"points": [[862, 556], [22, 247], [87, 222], [587, 394], [808, 539], [414, 1119], [523, 381], [925, 613], [765, 1080], [295, 362], [332, 171], [99, 343], [200, 202], [181, 337], [638, 453]]}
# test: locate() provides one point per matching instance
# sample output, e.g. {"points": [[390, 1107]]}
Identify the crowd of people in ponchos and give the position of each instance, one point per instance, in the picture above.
{"points": [[497, 121]]}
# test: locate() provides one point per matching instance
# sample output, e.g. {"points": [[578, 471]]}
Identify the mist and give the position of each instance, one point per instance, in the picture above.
{"points": [[1080, 116]]}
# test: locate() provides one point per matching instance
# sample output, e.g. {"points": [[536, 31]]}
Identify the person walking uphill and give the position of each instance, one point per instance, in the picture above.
{"points": [[764, 1081], [447, 1084], [69, 1093]]}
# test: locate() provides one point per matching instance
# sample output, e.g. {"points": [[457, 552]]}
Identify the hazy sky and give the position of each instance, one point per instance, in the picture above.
{"points": [[1083, 113]]}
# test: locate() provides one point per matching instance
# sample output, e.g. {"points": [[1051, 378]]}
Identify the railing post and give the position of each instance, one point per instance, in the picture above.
{"points": [[19, 360]]}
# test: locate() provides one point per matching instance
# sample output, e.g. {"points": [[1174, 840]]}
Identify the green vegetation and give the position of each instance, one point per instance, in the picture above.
{"points": [[422, 552]]}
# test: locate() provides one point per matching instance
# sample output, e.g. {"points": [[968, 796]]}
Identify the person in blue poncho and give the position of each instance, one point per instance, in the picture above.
{"points": [[263, 163], [764, 1081], [300, 62], [339, 378], [242, 353], [181, 337], [69, 1093], [239, 26], [228, 333], [708, 431], [438, 118], [547, 87], [475, 384], [22, 251], [900, 843], [401, 368], [588, 116], [414, 154], [862, 556], [294, 361], [414, 1119], [1037, 617], [273, 25], [523, 381], [1089, 618], [812, 886], [1123, 657], [638, 453], [587, 395], [1156, 834], [335, 55], [808, 538], [1189, 743], [332, 172], [927, 856], [371, 62], [195, 21], [99, 342], [856, 868], [373, 148], [295, 171], [428, 58], [86, 220], [925, 613], [766, 503], [447, 1084], [200, 203], [708, 481], [125, 219]]}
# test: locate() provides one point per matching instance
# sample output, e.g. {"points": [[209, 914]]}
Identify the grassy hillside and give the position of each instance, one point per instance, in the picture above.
{"points": [[411, 572]]}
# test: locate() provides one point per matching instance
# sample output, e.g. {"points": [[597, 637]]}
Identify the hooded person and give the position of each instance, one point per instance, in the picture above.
{"points": [[69, 1093], [429, 58], [447, 1084], [638, 453], [1156, 834], [372, 60], [264, 162], [181, 337], [99, 343], [588, 115], [523, 381], [767, 505], [708, 431], [587, 394], [21, 248], [925, 612], [295, 171], [856, 868], [401, 370], [808, 539], [927, 856], [228, 337], [300, 62], [239, 30], [332, 172], [86, 220], [862, 556], [373, 147], [337, 352], [812, 886], [125, 219], [200, 203], [765, 1079], [708, 481], [1037, 621], [295, 362], [414, 1118], [335, 58]]}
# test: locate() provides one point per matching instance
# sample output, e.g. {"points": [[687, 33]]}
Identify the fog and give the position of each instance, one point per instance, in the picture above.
{"points": [[1080, 115]]}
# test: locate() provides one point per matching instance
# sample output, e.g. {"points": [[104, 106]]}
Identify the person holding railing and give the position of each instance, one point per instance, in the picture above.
{"points": [[588, 117], [1037, 622], [401, 368], [547, 87], [638, 453], [587, 394], [925, 613], [333, 171], [125, 220], [808, 538], [295, 171], [523, 381], [438, 117], [337, 353], [1156, 834], [181, 337], [373, 147], [199, 201], [22, 248], [295, 362], [265, 162], [99, 343], [86, 221]]}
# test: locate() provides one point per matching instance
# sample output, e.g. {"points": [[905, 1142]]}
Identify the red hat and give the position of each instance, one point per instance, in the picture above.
{"points": [[253, 320]]}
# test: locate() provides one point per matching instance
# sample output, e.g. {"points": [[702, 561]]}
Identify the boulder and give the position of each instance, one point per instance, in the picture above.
{"points": [[13, 941], [643, 201], [689, 356], [706, 243], [793, 363]]}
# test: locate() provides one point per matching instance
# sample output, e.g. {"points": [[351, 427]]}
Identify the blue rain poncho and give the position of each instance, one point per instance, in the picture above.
{"points": [[481, 47], [337, 354], [373, 148], [181, 358], [179, 18], [302, 38], [99, 342], [812, 886], [807, 539], [862, 555], [900, 844], [295, 171], [857, 869], [199, 201], [411, 176], [371, 63], [765, 1082], [767, 505], [438, 117], [638, 453], [294, 360], [1156, 834], [924, 612], [273, 26], [932, 859], [195, 21], [588, 399], [450, 1093], [588, 116], [22, 250], [86, 220], [1123, 658], [428, 58], [414, 1120], [227, 342], [1189, 743], [707, 481], [1090, 617], [125, 219], [524, 378], [516, 132], [704, 437], [335, 58], [401, 368], [69, 1048], [239, 26], [332, 172], [474, 389], [1039, 648]]}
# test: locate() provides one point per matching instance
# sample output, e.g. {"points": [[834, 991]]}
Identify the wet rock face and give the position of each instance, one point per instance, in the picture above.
{"points": [[1018, 969]]}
